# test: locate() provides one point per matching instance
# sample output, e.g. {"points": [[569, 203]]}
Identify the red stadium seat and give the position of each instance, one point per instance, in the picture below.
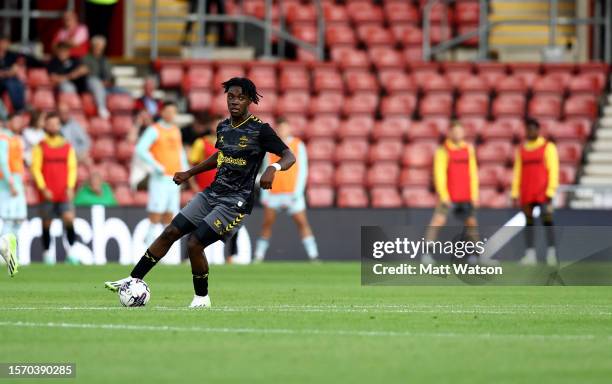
{"points": [[327, 81], [402, 104], [474, 84], [334, 13], [326, 125], [494, 151], [572, 129], [352, 149], [267, 104], [352, 197], [473, 105], [436, 105], [510, 84], [340, 34], [327, 102], [467, 12], [350, 173], [320, 196], [413, 54], [117, 174], [199, 77], [581, 106], [72, 100], [321, 149], [305, 31], [119, 102], [200, 100], [349, 57], [394, 81], [383, 173], [89, 104], [360, 80], [125, 151], [569, 152], [297, 12], [293, 102], [419, 155], [567, 174], [434, 82], [386, 150], [364, 103], [590, 83], [424, 68], [509, 105], [226, 71], [526, 71], [407, 34], [103, 149], [511, 126], [170, 76], [219, 104], [364, 11], [356, 126], [386, 57], [320, 173], [294, 79], [401, 12], [122, 125], [298, 123], [545, 106], [492, 198], [123, 194], [472, 126], [375, 34], [553, 84], [491, 174], [491, 72], [43, 99], [386, 197], [391, 127], [38, 78], [99, 127], [418, 197]]}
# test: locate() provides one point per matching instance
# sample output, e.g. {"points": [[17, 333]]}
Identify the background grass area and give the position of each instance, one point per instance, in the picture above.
{"points": [[304, 323]]}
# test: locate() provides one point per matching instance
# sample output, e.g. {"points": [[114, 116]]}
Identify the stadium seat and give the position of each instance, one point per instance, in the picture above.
{"points": [[293, 102], [467, 12], [294, 78], [436, 105], [352, 149], [567, 174], [119, 102], [340, 34], [298, 123], [170, 76], [571, 129], [219, 104], [495, 151], [386, 57], [491, 72], [407, 35], [589, 83], [386, 150], [323, 125], [472, 126], [383, 173], [122, 125], [321, 149], [320, 196], [305, 31], [361, 103], [418, 197], [375, 35], [510, 84], [434, 83], [123, 195], [581, 106], [403, 104], [326, 102], [327, 81], [125, 151], [103, 149], [199, 77], [391, 127], [491, 174], [352, 197], [334, 13], [38, 78], [117, 174], [394, 81], [320, 173], [267, 104], [419, 154], [545, 107], [509, 105], [514, 126], [200, 100], [473, 84], [569, 152], [529, 72], [416, 177], [551, 84], [89, 104], [385, 197], [401, 12], [472, 105], [500, 129], [43, 99], [361, 12], [360, 80], [356, 126], [226, 71], [99, 127], [72, 100], [349, 57], [350, 173], [492, 198]]}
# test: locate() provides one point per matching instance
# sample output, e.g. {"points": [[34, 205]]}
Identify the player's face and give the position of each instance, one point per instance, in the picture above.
{"points": [[456, 133], [52, 126], [532, 132], [168, 113], [15, 124], [237, 102], [284, 129]]}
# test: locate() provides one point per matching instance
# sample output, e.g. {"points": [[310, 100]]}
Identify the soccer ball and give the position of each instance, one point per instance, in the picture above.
{"points": [[134, 293]]}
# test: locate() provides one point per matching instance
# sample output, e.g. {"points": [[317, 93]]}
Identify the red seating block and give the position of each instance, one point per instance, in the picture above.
{"points": [[386, 150], [386, 57], [419, 154], [363, 12], [494, 151], [360, 80], [320, 196], [340, 34], [418, 197], [38, 78], [402, 104], [569, 152], [72, 100], [99, 127], [386, 197], [509, 105], [545, 106], [391, 127], [473, 105], [383, 173], [581, 106], [320, 173], [321, 149], [103, 149], [122, 125], [352, 149], [43, 99], [394, 81], [293, 102], [352, 197], [436, 105], [200, 100], [125, 151], [350, 173], [326, 125], [199, 77], [364, 103], [401, 12], [375, 34], [356, 126]]}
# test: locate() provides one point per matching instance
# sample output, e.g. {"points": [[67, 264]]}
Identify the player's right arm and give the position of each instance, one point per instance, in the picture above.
{"points": [[440, 177], [516, 176], [36, 169], [206, 165], [143, 149], [4, 161]]}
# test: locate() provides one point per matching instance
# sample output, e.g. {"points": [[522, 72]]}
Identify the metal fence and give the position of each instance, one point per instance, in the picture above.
{"points": [[11, 10]]}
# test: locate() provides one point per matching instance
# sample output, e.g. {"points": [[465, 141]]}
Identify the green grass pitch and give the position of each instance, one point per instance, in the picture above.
{"points": [[303, 323]]}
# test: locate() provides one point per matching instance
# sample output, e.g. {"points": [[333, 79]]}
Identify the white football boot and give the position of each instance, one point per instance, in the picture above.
{"points": [[115, 285], [530, 257], [8, 251], [427, 259], [551, 257], [200, 302]]}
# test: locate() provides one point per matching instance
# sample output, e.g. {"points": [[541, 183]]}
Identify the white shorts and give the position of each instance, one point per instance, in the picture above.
{"points": [[284, 201], [13, 207], [164, 195]]}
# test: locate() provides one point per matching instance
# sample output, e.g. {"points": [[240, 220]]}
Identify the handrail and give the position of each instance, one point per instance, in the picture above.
{"points": [[26, 13], [485, 26], [266, 25]]}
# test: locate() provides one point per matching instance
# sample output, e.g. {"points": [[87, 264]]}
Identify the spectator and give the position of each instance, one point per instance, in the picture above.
{"points": [[75, 35], [95, 192], [193, 9], [100, 76], [74, 133], [199, 128], [148, 101], [98, 15], [67, 73], [9, 81], [33, 134]]}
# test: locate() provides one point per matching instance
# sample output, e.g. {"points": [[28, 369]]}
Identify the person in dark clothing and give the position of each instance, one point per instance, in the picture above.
{"points": [[9, 81], [193, 9], [67, 73]]}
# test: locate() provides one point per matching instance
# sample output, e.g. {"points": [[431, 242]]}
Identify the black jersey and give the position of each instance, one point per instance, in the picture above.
{"points": [[241, 151]]}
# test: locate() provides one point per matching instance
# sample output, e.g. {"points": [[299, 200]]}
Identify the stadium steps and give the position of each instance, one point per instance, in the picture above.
{"points": [[169, 32]]}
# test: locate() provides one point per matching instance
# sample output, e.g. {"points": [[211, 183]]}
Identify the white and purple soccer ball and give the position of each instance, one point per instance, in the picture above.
{"points": [[134, 293]]}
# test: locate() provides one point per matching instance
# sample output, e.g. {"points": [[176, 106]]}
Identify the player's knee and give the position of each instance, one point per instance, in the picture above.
{"points": [[529, 221], [548, 221], [171, 233], [471, 221]]}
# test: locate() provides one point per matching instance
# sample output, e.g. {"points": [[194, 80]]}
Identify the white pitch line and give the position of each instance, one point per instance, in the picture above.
{"points": [[289, 331]]}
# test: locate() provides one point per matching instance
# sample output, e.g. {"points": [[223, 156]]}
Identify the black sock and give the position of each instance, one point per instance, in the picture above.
{"points": [[70, 235], [144, 265], [46, 238], [200, 284]]}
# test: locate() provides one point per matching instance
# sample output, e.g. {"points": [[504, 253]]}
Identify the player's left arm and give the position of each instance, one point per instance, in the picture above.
{"points": [[72, 173], [270, 142], [474, 181], [551, 159], [302, 176]]}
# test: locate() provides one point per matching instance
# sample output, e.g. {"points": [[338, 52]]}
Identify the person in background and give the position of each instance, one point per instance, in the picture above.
{"points": [[100, 76], [74, 133], [202, 148], [535, 182], [74, 35], [54, 169], [99, 15], [67, 73], [9, 81], [148, 102], [193, 9], [160, 147], [287, 193], [456, 182], [95, 192], [33, 134]]}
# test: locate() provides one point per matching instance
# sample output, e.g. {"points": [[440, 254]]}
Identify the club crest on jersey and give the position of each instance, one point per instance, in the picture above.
{"points": [[243, 142], [217, 223]]}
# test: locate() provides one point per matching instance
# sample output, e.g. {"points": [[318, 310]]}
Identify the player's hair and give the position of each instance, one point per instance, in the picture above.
{"points": [[248, 87], [52, 115], [62, 45], [168, 103], [281, 120], [530, 121], [455, 122]]}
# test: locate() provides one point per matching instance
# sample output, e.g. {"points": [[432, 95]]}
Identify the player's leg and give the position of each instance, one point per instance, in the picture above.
{"points": [[308, 239], [266, 232], [530, 257], [547, 220], [46, 217], [156, 207], [198, 240], [470, 224], [438, 219], [68, 214]]}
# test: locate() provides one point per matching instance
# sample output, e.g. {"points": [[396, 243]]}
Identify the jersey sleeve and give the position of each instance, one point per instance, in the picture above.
{"points": [[270, 142], [551, 158], [440, 168], [516, 174], [474, 181]]}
